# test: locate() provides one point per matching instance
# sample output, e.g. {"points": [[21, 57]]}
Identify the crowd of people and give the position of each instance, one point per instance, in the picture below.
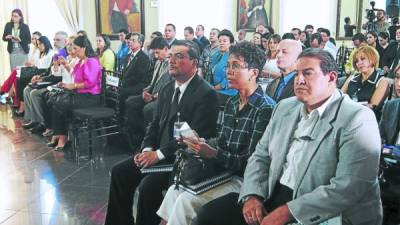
{"points": [[301, 150]]}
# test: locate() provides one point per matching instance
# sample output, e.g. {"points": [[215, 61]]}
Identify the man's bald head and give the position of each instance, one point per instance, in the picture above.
{"points": [[288, 51]]}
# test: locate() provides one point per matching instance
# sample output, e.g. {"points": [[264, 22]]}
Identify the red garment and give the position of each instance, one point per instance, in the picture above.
{"points": [[9, 83], [121, 4]]}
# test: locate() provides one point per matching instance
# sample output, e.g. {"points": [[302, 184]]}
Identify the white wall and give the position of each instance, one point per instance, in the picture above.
{"points": [[298, 13], [209, 13]]}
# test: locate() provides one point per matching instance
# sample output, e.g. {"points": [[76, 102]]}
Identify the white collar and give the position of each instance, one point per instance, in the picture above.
{"points": [[135, 53], [320, 109], [183, 86]]}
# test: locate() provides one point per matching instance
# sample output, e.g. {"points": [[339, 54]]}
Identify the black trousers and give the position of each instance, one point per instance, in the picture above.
{"points": [[125, 178], [138, 115], [226, 210], [62, 110]]}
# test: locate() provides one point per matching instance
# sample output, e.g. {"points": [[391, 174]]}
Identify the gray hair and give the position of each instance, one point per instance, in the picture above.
{"points": [[326, 61], [62, 33]]}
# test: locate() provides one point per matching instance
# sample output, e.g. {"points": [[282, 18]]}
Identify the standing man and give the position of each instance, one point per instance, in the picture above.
{"points": [[170, 33], [196, 103], [282, 87], [320, 164], [380, 25], [201, 39]]}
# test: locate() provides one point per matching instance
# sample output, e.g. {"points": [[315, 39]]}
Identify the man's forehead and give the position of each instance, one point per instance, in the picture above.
{"points": [[59, 36], [178, 49], [307, 63]]}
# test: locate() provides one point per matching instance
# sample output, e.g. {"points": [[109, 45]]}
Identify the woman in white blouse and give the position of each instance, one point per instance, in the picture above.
{"points": [[271, 69], [44, 62]]}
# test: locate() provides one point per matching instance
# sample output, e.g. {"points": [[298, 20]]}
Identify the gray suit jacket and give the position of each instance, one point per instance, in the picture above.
{"points": [[339, 174], [389, 125], [163, 78]]}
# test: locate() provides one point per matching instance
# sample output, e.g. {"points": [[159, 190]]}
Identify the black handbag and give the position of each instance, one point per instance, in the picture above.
{"points": [[28, 72], [191, 169], [63, 98]]}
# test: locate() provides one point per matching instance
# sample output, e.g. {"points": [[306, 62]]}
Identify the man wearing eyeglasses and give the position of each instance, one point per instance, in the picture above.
{"points": [[189, 98], [60, 41]]}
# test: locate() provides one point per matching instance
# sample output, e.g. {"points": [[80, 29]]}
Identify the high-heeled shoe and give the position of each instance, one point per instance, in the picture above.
{"points": [[52, 144], [61, 148]]}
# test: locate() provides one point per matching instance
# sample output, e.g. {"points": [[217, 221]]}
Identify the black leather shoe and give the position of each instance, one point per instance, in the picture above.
{"points": [[29, 125], [52, 144], [19, 114], [38, 129]]}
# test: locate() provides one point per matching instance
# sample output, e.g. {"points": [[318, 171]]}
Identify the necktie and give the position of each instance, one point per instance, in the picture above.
{"points": [[175, 102], [177, 93], [155, 77]]}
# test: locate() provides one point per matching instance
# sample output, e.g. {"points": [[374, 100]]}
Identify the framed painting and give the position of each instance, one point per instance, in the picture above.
{"points": [[252, 13], [114, 15]]}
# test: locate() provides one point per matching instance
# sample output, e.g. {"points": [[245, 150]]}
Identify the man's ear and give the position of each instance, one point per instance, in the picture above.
{"points": [[195, 62], [332, 76]]}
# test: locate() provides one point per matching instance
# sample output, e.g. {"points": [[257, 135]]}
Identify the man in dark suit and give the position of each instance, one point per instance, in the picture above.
{"points": [[140, 108], [189, 98], [135, 75], [201, 39], [169, 34], [282, 87], [389, 126]]}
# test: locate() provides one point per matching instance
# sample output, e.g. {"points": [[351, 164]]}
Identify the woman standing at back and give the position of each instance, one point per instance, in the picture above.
{"points": [[18, 36]]}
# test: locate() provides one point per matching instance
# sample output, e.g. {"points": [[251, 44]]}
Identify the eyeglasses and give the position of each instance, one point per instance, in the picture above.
{"points": [[235, 67], [57, 39], [177, 56]]}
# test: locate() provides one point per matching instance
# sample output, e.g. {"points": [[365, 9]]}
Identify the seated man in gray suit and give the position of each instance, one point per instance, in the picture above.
{"points": [[282, 87], [318, 158], [140, 108]]}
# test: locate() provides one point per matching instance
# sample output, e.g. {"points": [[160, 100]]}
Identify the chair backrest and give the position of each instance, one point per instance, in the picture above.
{"points": [[111, 86], [342, 56]]}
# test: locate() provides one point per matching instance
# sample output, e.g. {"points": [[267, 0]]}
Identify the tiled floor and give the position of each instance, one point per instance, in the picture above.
{"points": [[40, 186]]}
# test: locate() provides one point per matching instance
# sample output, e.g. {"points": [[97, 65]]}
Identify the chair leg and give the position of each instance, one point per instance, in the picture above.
{"points": [[90, 147]]}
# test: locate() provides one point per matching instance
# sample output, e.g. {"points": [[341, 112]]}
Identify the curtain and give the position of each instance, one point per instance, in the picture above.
{"points": [[5, 16], [69, 10]]}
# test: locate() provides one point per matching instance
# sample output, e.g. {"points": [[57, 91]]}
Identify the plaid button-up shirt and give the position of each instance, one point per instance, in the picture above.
{"points": [[241, 130]]}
